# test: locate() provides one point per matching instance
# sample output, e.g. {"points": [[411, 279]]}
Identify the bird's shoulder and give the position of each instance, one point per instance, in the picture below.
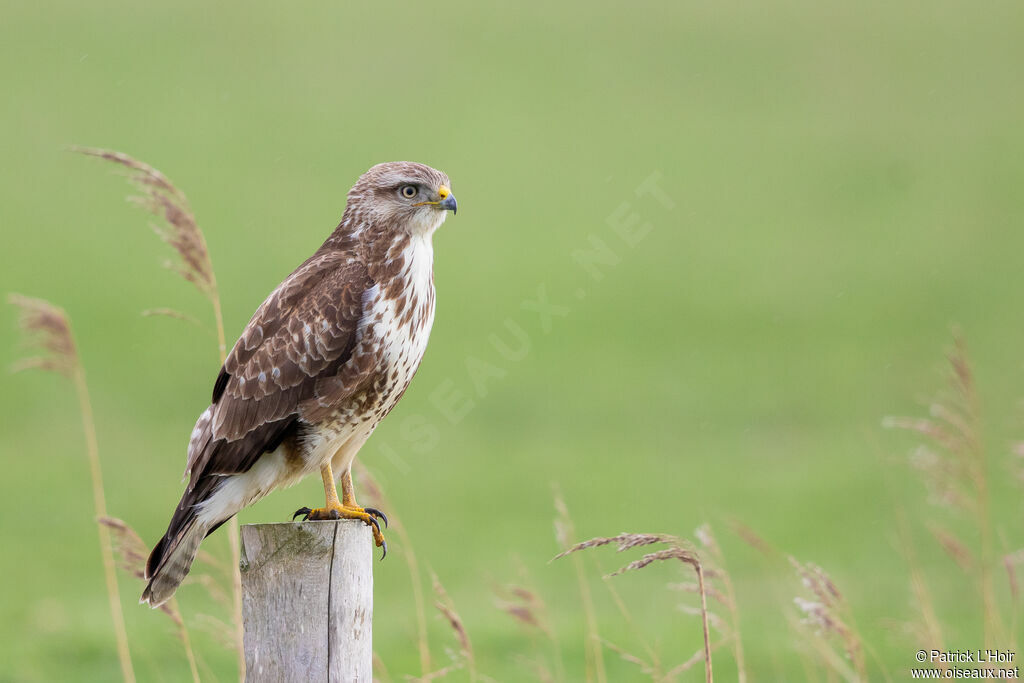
{"points": [[327, 289]]}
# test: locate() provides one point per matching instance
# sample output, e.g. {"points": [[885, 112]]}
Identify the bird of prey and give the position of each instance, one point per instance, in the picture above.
{"points": [[324, 359]]}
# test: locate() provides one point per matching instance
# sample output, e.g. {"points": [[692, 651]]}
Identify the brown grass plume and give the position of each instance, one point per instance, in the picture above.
{"points": [[47, 328]]}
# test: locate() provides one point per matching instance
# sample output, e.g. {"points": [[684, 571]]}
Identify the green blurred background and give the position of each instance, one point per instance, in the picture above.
{"points": [[845, 182]]}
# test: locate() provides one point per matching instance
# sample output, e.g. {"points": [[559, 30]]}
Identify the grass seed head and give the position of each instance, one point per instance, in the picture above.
{"points": [[45, 327], [178, 227], [446, 607]]}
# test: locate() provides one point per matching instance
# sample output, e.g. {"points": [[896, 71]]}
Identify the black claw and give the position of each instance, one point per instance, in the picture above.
{"points": [[334, 514], [376, 526], [377, 533], [302, 511], [377, 513]]}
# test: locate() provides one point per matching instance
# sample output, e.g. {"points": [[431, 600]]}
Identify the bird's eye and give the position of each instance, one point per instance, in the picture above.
{"points": [[409, 191]]}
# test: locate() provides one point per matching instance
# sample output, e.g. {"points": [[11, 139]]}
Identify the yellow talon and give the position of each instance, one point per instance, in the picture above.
{"points": [[345, 508]]}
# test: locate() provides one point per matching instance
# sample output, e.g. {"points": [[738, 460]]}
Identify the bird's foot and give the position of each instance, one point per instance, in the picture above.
{"points": [[368, 516]]}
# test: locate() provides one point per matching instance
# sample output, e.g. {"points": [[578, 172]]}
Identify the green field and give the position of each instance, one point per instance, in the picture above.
{"points": [[842, 184]]}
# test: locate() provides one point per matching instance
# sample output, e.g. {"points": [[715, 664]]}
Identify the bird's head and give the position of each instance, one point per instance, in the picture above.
{"points": [[403, 194]]}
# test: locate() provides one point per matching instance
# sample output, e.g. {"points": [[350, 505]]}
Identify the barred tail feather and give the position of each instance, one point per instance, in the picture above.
{"points": [[214, 496], [173, 555], [170, 561]]}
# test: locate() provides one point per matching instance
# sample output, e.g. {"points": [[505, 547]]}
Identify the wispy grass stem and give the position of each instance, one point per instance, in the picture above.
{"points": [[181, 232], [51, 329]]}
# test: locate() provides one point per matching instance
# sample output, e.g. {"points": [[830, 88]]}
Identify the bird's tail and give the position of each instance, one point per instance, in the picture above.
{"points": [[171, 559]]}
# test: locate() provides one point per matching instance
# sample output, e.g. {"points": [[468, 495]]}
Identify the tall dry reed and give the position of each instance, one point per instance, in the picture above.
{"points": [[133, 553], [675, 550], [178, 228], [565, 531], [823, 621], [525, 606], [953, 465], [372, 492], [826, 618], [48, 328], [714, 560], [465, 656]]}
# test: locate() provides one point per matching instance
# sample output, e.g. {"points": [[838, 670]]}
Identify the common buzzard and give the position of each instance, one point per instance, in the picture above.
{"points": [[324, 359]]}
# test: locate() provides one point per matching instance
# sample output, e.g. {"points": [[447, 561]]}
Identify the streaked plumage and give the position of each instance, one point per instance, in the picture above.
{"points": [[324, 359]]}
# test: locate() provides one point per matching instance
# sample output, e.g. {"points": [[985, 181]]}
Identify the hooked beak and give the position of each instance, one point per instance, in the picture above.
{"points": [[447, 200], [449, 204]]}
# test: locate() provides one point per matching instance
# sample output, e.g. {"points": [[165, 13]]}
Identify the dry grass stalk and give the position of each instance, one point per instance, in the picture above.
{"points": [[713, 593], [717, 623], [652, 666], [446, 607], [953, 466], [1010, 562], [674, 551], [931, 632], [177, 315], [827, 615], [695, 659], [371, 491], [45, 327], [526, 607], [48, 328], [565, 530], [812, 648], [836, 664], [649, 668], [728, 599], [159, 196], [1017, 465], [217, 629], [928, 630], [214, 588], [653, 662], [541, 673], [622, 542], [181, 232], [436, 675], [755, 541], [380, 670], [133, 552], [954, 547]]}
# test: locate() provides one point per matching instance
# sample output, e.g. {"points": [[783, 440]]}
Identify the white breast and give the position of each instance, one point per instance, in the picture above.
{"points": [[401, 333]]}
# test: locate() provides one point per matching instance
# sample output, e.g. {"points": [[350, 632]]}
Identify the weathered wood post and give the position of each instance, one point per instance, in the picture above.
{"points": [[307, 601]]}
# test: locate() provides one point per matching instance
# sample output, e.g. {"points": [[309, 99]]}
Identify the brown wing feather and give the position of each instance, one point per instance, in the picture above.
{"points": [[304, 333]]}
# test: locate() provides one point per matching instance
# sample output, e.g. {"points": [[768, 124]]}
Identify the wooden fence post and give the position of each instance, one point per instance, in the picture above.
{"points": [[307, 601]]}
